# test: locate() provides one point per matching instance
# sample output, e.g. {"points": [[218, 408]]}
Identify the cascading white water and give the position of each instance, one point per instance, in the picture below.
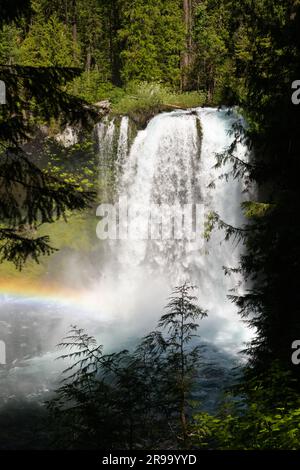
{"points": [[105, 135], [167, 164], [123, 140], [225, 197], [162, 169]]}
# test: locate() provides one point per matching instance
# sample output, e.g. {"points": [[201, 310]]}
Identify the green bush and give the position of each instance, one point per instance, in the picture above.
{"points": [[92, 87], [266, 415], [142, 100]]}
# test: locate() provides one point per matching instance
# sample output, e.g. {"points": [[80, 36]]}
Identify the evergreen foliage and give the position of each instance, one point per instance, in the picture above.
{"points": [[29, 196], [132, 400]]}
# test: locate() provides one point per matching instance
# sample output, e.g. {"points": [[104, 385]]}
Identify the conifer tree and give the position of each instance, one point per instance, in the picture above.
{"points": [[182, 360], [137, 400]]}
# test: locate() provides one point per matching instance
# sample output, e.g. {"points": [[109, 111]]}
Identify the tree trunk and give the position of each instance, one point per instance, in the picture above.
{"points": [[88, 59], [114, 24], [186, 57], [182, 380], [74, 27]]}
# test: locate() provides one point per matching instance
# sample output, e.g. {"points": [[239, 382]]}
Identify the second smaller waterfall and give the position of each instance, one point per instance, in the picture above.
{"points": [[123, 140]]}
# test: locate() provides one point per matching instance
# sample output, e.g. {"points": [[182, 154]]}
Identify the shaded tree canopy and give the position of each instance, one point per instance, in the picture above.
{"points": [[29, 197]]}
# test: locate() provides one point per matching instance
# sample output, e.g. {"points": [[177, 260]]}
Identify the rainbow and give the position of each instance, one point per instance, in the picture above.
{"points": [[37, 291]]}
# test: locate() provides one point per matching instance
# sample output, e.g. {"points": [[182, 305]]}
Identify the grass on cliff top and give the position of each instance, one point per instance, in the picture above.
{"points": [[136, 97], [144, 97], [142, 101]]}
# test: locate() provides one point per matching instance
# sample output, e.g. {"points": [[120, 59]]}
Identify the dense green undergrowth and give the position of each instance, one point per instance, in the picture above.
{"points": [[139, 99], [143, 100]]}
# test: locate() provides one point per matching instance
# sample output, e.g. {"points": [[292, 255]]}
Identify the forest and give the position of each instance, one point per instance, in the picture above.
{"points": [[75, 62]]}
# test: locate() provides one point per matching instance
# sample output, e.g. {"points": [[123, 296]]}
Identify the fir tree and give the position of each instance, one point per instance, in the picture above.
{"points": [[182, 360], [137, 400]]}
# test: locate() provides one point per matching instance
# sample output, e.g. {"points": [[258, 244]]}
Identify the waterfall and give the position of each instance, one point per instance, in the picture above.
{"points": [[162, 169], [106, 133], [123, 140], [171, 162]]}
